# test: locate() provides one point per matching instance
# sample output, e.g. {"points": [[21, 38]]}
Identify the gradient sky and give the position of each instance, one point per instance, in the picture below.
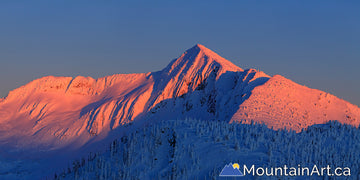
{"points": [[316, 44]]}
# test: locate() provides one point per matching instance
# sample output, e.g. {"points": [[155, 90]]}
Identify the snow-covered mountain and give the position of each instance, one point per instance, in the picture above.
{"points": [[53, 120], [54, 111]]}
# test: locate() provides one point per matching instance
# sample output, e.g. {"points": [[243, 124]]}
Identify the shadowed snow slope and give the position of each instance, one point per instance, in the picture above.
{"points": [[56, 111]]}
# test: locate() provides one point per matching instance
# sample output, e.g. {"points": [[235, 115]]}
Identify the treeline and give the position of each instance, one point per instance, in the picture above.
{"points": [[194, 149]]}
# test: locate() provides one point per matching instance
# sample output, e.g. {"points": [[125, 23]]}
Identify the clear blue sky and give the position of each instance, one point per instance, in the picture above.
{"points": [[314, 43]]}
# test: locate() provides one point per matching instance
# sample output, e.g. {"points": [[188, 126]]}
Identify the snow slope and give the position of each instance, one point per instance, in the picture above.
{"points": [[281, 103], [51, 114], [199, 84]]}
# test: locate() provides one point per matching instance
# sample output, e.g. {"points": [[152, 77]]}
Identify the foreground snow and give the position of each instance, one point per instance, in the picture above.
{"points": [[193, 149]]}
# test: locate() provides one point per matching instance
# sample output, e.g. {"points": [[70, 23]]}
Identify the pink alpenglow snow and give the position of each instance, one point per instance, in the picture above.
{"points": [[57, 111]]}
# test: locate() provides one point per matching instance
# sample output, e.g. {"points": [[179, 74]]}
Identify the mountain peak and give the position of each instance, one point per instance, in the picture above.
{"points": [[199, 84], [199, 49], [201, 58]]}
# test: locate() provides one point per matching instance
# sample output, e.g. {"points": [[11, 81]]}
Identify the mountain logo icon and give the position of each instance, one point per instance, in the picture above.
{"points": [[231, 170]]}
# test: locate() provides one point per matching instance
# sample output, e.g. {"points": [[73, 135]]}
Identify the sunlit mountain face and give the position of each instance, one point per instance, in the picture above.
{"points": [[73, 116]]}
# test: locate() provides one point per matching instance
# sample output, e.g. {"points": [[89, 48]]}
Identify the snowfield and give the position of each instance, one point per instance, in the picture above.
{"points": [[185, 121]]}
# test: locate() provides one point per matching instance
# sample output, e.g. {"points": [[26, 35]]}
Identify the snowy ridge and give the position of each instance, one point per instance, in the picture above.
{"points": [[53, 115], [199, 84], [281, 103]]}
